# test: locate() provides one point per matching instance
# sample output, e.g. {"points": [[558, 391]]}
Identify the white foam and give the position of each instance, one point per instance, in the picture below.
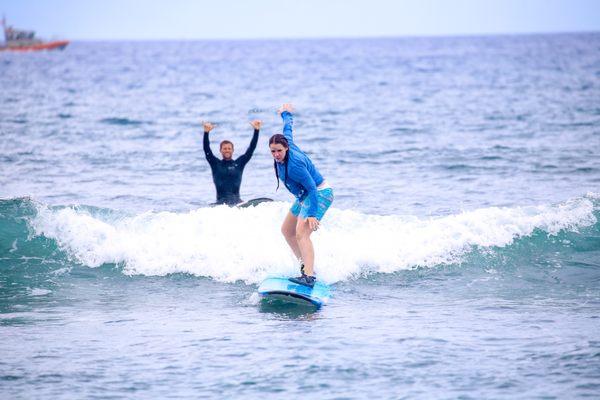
{"points": [[230, 244], [39, 292]]}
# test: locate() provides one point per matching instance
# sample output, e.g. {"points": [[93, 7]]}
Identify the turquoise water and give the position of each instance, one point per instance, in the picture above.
{"points": [[463, 246]]}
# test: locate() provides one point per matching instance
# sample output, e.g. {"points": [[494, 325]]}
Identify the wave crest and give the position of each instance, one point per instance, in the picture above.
{"points": [[230, 244]]}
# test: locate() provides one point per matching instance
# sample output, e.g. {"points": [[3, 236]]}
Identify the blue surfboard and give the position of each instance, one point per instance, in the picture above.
{"points": [[283, 289]]}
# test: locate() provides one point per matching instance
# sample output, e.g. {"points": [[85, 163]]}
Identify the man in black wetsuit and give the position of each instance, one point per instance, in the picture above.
{"points": [[227, 173]]}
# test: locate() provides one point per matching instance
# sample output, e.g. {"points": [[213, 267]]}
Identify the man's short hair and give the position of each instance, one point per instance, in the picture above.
{"points": [[225, 142]]}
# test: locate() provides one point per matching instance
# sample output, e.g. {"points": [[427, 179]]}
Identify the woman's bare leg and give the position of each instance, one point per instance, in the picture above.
{"points": [[288, 229], [305, 245]]}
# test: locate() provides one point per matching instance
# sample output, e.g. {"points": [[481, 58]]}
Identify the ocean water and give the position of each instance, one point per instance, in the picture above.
{"points": [[463, 246]]}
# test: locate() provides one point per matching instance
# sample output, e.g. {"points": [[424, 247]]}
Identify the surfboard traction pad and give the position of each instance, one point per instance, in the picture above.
{"points": [[283, 289]]}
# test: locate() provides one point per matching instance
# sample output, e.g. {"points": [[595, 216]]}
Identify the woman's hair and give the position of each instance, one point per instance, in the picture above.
{"points": [[278, 138]]}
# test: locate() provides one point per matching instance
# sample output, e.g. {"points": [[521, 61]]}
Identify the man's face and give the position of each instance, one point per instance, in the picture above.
{"points": [[227, 151]]}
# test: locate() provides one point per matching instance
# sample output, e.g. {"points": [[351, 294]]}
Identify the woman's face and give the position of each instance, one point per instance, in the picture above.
{"points": [[278, 151]]}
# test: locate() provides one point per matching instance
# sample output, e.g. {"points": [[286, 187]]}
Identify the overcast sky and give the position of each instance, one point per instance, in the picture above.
{"points": [[239, 19]]}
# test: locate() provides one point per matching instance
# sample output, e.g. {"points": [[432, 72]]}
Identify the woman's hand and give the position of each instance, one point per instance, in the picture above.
{"points": [[256, 124], [208, 127], [313, 223], [286, 107]]}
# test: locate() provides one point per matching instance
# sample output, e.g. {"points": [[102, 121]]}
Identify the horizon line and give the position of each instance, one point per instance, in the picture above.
{"points": [[349, 37]]}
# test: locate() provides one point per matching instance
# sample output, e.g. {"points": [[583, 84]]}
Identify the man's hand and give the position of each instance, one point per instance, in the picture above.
{"points": [[208, 127], [256, 124], [313, 223], [286, 107]]}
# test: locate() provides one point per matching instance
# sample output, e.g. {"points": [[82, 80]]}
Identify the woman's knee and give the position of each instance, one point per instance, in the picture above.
{"points": [[302, 231], [288, 231], [288, 228]]}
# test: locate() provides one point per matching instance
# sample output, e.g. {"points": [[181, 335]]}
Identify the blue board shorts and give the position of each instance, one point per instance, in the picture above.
{"points": [[324, 198]]}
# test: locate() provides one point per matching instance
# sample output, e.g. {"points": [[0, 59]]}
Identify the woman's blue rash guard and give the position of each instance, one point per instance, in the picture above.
{"points": [[303, 177]]}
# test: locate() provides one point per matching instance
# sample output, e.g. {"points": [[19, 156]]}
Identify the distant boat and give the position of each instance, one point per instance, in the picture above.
{"points": [[20, 40]]}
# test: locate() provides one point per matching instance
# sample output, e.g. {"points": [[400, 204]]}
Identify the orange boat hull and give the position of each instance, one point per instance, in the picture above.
{"points": [[56, 45]]}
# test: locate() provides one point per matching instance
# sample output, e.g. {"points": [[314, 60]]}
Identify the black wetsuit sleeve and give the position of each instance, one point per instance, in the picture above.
{"points": [[244, 158], [210, 157]]}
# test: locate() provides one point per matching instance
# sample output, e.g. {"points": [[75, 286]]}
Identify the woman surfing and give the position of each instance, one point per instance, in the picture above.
{"points": [[313, 195]]}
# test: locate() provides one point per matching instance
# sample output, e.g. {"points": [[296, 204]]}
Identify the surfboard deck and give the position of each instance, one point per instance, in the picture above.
{"points": [[254, 202], [281, 288], [244, 204]]}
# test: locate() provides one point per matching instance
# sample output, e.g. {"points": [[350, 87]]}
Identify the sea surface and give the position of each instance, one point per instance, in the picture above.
{"points": [[463, 245]]}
